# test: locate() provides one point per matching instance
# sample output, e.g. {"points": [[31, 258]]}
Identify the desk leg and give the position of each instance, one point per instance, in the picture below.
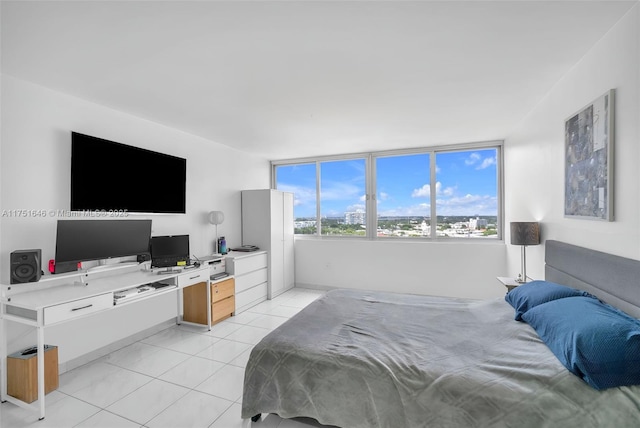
{"points": [[179, 300], [3, 359], [40, 356], [209, 305]]}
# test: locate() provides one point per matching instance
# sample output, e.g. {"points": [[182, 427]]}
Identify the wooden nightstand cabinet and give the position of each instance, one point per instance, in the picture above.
{"points": [[223, 301]]}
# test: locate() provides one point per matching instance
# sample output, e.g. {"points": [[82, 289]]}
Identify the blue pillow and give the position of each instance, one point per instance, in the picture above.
{"points": [[593, 340], [534, 293]]}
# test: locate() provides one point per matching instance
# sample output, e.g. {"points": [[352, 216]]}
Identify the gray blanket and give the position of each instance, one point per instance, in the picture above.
{"points": [[371, 359]]}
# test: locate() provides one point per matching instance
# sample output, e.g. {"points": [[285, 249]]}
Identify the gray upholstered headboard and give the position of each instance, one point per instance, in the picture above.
{"points": [[613, 279]]}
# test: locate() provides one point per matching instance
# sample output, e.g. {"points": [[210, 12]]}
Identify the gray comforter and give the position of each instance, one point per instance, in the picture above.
{"points": [[371, 359]]}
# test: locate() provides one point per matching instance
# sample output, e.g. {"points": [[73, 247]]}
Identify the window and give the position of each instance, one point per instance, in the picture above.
{"points": [[446, 192], [343, 197], [332, 191], [300, 179], [403, 196], [466, 194]]}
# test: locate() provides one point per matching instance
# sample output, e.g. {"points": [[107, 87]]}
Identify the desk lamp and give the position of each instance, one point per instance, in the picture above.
{"points": [[216, 218], [524, 233]]}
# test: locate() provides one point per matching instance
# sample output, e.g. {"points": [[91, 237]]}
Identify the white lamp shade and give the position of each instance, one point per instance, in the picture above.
{"points": [[216, 217]]}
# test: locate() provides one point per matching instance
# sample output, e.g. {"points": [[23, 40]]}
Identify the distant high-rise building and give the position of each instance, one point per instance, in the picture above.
{"points": [[477, 223], [357, 217]]}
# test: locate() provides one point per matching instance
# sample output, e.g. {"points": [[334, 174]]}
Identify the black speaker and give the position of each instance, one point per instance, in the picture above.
{"points": [[26, 266]]}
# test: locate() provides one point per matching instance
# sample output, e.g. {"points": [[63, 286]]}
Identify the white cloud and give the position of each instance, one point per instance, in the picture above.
{"points": [[486, 163], [418, 210], [476, 159], [468, 205], [301, 195], [473, 159], [423, 192], [448, 191], [339, 191]]}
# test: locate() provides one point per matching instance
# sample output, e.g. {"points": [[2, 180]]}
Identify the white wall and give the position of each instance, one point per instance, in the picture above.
{"points": [[36, 157], [430, 268], [534, 152]]}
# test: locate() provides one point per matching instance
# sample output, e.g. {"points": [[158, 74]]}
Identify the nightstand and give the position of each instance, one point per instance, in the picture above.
{"points": [[509, 282]]}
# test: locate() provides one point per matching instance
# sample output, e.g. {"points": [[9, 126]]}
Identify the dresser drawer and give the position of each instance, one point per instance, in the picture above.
{"points": [[242, 265], [223, 309], [191, 278], [222, 290], [252, 279], [251, 297], [77, 308]]}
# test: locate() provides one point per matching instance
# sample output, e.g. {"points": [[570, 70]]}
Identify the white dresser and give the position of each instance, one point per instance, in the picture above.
{"points": [[251, 276]]}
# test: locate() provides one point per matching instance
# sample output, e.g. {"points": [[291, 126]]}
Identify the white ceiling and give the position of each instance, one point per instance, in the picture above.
{"points": [[300, 78]]}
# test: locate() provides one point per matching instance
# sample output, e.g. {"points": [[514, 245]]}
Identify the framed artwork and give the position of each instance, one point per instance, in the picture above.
{"points": [[588, 150]]}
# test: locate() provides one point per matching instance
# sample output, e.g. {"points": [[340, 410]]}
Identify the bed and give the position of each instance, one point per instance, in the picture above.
{"points": [[375, 359]]}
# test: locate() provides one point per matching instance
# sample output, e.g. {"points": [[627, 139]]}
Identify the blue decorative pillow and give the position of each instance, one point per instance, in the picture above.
{"points": [[534, 293], [593, 340]]}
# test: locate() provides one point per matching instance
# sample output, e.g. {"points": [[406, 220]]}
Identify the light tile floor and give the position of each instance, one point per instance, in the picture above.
{"points": [[184, 376]]}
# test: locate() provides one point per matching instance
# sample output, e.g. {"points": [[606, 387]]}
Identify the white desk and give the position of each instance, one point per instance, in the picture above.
{"points": [[57, 299]]}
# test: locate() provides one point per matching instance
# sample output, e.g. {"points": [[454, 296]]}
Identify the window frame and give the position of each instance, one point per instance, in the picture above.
{"points": [[371, 188]]}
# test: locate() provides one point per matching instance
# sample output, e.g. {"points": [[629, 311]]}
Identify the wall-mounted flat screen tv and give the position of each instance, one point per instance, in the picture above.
{"points": [[106, 175]]}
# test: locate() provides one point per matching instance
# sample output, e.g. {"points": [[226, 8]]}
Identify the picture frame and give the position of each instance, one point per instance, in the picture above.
{"points": [[589, 166]]}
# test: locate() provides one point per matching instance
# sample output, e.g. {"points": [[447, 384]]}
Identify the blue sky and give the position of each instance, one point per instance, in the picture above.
{"points": [[465, 185]]}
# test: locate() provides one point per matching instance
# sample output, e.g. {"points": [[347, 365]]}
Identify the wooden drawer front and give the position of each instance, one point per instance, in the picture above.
{"points": [[193, 278], [248, 264], [252, 279], [222, 290], [223, 309], [77, 308]]}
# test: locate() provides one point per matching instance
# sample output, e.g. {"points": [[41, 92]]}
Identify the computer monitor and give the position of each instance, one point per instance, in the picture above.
{"points": [[170, 251], [85, 240]]}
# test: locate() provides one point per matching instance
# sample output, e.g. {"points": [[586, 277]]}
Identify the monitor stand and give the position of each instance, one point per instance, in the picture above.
{"points": [[168, 271]]}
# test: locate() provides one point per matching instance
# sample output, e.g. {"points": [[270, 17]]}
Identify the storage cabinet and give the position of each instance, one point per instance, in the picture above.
{"points": [[223, 303], [251, 277], [267, 221], [22, 374]]}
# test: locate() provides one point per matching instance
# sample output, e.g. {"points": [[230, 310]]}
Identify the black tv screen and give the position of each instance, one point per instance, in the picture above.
{"points": [[85, 240], [111, 176]]}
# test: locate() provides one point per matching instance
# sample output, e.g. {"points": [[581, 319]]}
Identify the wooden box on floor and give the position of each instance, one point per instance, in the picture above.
{"points": [[22, 374], [223, 302]]}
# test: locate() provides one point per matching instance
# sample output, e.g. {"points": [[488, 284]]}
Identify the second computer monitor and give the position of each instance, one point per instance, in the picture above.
{"points": [[168, 251]]}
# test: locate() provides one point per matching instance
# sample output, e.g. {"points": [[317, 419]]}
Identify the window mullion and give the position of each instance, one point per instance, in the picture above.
{"points": [[318, 210], [432, 194], [371, 205]]}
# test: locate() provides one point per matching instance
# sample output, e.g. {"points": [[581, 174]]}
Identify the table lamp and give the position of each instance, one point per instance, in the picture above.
{"points": [[216, 218], [524, 233]]}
